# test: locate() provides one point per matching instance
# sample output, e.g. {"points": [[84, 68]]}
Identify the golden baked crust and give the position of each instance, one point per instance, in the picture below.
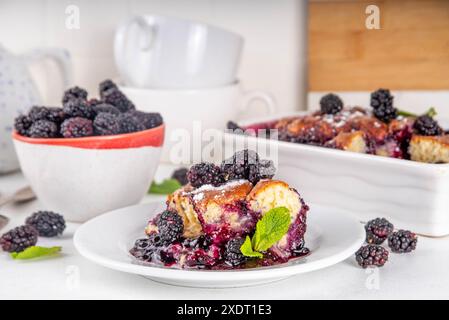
{"points": [[350, 141], [430, 149]]}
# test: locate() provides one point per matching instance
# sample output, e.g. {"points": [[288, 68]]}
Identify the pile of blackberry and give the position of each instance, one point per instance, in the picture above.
{"points": [[244, 164], [382, 104], [377, 231], [80, 117], [41, 223]]}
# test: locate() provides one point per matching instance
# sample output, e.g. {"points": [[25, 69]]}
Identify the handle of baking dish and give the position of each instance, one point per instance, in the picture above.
{"points": [[257, 95]]}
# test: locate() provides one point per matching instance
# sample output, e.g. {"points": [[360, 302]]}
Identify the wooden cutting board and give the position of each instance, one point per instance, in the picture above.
{"points": [[409, 51]]}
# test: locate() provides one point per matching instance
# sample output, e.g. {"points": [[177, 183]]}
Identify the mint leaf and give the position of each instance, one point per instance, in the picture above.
{"points": [[165, 187], [35, 252], [271, 228], [247, 250]]}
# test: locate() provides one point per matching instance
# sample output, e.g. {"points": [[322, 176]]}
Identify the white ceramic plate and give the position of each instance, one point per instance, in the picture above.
{"points": [[105, 240]]}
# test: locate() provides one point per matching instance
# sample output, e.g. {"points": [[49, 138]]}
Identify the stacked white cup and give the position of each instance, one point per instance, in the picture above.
{"points": [[185, 70]]}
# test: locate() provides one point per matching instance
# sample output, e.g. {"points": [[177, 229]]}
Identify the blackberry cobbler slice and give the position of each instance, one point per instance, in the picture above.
{"points": [[204, 227]]}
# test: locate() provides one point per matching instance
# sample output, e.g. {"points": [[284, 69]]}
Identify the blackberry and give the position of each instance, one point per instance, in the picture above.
{"points": [[47, 223], [204, 173], [94, 102], [18, 239], [427, 126], [43, 129], [74, 93], [266, 169], [381, 97], [129, 123], [385, 113], [21, 124], [106, 124], [181, 175], [231, 125], [402, 241], [378, 230], [53, 114], [246, 164], [106, 85], [371, 256], [77, 128], [233, 256], [78, 108], [117, 99], [170, 226], [149, 119], [102, 107], [202, 242], [331, 104], [144, 249]]}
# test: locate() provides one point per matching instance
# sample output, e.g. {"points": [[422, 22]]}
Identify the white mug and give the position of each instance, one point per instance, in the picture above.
{"points": [[162, 52], [211, 108]]}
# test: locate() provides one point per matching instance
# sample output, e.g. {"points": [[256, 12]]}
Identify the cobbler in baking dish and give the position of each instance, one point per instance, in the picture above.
{"points": [[229, 216], [382, 130]]}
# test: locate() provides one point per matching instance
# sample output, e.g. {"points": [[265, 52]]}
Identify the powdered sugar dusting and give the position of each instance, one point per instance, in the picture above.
{"points": [[198, 194]]}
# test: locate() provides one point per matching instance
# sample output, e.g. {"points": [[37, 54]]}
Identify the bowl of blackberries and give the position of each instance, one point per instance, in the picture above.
{"points": [[90, 155]]}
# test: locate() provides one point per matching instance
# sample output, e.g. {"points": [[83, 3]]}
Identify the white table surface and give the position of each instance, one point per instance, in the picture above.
{"points": [[422, 274]]}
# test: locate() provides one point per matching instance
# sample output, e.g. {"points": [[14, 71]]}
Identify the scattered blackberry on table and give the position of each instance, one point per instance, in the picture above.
{"points": [[129, 123], [43, 129], [402, 241], [18, 239], [385, 113], [47, 223], [106, 85], [181, 175], [331, 104], [106, 124], [78, 108], [104, 107], [233, 256], [378, 230], [21, 124], [371, 256], [170, 226], [117, 99], [427, 126], [74, 93], [77, 128], [204, 173], [381, 97], [53, 114]]}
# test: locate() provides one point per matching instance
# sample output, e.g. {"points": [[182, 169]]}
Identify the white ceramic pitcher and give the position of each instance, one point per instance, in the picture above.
{"points": [[18, 93]]}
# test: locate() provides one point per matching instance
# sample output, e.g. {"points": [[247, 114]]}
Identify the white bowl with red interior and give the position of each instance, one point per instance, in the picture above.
{"points": [[84, 177]]}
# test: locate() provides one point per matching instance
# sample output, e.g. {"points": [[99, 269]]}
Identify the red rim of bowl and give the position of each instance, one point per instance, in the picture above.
{"points": [[153, 137]]}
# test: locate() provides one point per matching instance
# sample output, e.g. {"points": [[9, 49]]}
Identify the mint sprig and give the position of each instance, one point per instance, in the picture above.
{"points": [[269, 230], [431, 113], [35, 252], [165, 187]]}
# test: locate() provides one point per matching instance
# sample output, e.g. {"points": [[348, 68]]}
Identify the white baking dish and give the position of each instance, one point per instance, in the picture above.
{"points": [[410, 194]]}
